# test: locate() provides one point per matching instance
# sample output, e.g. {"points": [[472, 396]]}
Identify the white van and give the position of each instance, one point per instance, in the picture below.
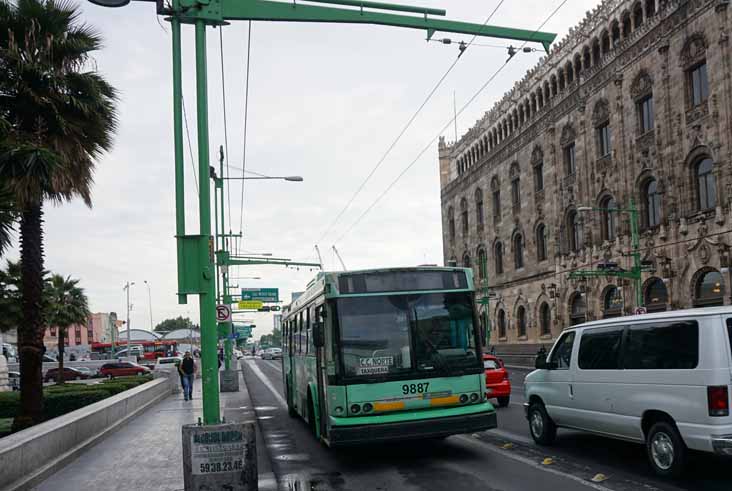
{"points": [[658, 379]]}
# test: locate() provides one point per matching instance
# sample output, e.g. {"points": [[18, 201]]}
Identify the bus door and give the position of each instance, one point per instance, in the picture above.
{"points": [[321, 371]]}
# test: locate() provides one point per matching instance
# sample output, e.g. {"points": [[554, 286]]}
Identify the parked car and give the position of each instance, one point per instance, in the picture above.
{"points": [[122, 369], [272, 354], [136, 351], [49, 359], [497, 384], [87, 371], [69, 374], [14, 380], [658, 379]]}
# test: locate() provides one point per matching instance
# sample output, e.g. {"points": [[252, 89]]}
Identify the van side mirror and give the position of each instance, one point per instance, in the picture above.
{"points": [[540, 362], [318, 335]]}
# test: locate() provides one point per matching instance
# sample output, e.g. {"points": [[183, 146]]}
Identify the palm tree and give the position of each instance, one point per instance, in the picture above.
{"points": [[7, 218], [68, 306], [58, 116]]}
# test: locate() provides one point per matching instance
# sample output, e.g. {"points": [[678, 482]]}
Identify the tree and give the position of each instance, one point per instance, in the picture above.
{"points": [[57, 116], [172, 324], [8, 217], [10, 297], [67, 306]]}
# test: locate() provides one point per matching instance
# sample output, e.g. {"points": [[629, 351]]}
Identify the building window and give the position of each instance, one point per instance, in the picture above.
{"points": [[545, 319], [609, 218], [603, 140], [516, 193], [451, 223], [570, 161], [698, 84], [466, 260], [574, 230], [53, 331], [464, 216], [77, 339], [498, 256], [655, 298], [496, 200], [578, 310], [652, 203], [479, 208], [646, 120], [709, 291], [518, 251], [482, 264], [612, 303], [501, 324], [541, 250], [539, 176], [521, 321], [706, 185]]}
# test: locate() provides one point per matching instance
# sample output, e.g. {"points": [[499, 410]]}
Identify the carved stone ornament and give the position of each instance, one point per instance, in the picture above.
{"points": [[515, 171], [537, 156], [642, 85], [694, 50], [568, 134], [601, 113]]}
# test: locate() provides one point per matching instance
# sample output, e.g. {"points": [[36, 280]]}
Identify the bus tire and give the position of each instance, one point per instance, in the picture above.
{"points": [[290, 409], [311, 416]]}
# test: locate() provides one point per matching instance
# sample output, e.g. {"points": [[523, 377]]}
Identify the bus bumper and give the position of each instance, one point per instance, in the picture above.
{"points": [[408, 430]]}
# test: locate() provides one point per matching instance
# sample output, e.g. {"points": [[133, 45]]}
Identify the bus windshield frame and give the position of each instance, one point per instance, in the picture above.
{"points": [[416, 335]]}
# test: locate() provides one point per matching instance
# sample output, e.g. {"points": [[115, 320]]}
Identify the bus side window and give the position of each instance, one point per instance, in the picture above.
{"points": [[311, 319], [299, 337]]}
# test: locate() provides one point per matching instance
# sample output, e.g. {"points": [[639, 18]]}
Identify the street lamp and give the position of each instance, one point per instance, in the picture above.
{"points": [[246, 278], [149, 304], [259, 178], [127, 289]]}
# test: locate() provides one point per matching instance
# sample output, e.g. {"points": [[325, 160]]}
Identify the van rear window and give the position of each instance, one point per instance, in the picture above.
{"points": [[667, 346]]}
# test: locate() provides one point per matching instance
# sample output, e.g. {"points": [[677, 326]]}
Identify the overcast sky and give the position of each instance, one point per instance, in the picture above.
{"points": [[326, 101]]}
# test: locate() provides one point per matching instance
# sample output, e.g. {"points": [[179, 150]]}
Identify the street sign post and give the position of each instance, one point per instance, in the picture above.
{"points": [[267, 295], [250, 305]]}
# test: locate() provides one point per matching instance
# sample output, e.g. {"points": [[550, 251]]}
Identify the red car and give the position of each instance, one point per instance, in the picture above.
{"points": [[122, 369], [69, 374], [496, 380]]}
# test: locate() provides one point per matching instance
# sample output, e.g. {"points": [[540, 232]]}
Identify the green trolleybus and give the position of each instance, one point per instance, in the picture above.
{"points": [[387, 354]]}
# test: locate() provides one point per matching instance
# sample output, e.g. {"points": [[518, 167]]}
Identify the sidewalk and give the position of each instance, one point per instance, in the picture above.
{"points": [[146, 453]]}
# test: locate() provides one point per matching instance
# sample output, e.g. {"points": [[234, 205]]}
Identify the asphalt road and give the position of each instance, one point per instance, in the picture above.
{"points": [[486, 461]]}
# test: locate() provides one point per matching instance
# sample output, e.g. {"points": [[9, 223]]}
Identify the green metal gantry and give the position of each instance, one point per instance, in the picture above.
{"points": [[195, 253]]}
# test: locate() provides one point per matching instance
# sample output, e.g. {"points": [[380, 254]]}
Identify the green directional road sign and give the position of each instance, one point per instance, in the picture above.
{"points": [[271, 295]]}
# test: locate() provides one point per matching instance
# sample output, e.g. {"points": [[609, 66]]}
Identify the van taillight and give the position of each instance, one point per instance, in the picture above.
{"points": [[718, 398]]}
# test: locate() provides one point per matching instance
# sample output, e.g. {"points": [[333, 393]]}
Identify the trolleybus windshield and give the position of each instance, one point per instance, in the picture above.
{"points": [[393, 336]]}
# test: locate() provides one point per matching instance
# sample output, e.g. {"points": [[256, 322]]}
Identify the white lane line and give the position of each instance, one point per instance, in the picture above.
{"points": [[274, 365], [529, 462], [267, 382]]}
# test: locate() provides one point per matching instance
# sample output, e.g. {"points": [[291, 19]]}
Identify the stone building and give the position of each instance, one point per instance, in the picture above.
{"points": [[633, 107]]}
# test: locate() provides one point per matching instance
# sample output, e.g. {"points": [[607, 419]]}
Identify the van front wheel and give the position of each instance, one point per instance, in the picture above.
{"points": [[666, 450], [543, 430]]}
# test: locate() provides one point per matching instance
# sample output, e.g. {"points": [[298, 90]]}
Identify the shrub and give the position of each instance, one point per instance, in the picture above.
{"points": [[57, 404], [9, 404]]}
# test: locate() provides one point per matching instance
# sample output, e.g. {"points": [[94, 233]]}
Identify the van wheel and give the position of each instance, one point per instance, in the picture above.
{"points": [[504, 401], [290, 409], [666, 450], [542, 428]]}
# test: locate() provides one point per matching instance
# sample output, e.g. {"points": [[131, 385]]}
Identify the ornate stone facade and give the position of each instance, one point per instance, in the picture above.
{"points": [[634, 107]]}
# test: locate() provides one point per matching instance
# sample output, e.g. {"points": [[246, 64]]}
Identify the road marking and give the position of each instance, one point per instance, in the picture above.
{"points": [[267, 382], [274, 365], [511, 436], [529, 462]]}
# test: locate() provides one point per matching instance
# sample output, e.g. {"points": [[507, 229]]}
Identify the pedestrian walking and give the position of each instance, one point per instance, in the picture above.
{"points": [[187, 370]]}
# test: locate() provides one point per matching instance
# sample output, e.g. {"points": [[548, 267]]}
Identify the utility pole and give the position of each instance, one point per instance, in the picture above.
{"points": [[149, 304], [127, 290], [485, 299]]}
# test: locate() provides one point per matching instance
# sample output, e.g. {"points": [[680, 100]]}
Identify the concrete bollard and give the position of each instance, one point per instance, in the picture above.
{"points": [[229, 380], [220, 457]]}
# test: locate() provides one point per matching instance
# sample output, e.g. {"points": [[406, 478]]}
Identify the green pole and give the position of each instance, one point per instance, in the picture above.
{"points": [[635, 244], [180, 214], [486, 300], [228, 326], [207, 299]]}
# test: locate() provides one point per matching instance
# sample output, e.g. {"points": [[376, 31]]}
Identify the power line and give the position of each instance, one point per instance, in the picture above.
{"points": [[429, 145], [190, 147], [226, 128], [403, 131], [246, 114]]}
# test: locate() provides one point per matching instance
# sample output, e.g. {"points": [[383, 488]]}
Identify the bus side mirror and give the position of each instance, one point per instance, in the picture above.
{"points": [[318, 335]]}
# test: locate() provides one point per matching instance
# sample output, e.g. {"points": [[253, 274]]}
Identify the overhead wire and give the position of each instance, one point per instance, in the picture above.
{"points": [[190, 147], [246, 118], [442, 130], [403, 131]]}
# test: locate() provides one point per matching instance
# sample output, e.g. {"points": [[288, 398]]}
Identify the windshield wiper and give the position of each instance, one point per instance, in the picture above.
{"points": [[444, 366]]}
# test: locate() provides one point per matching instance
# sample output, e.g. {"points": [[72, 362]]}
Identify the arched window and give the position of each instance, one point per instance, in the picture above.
{"points": [[596, 55], [709, 291], [605, 42], [609, 218], [706, 185], [545, 319], [650, 8], [518, 251], [541, 249], [521, 321], [587, 58], [615, 31], [496, 196], [655, 298], [651, 203], [612, 303], [515, 174], [574, 231], [482, 263], [501, 324], [464, 216], [577, 310], [498, 256], [451, 222], [627, 25], [466, 260], [638, 15], [479, 208], [539, 175]]}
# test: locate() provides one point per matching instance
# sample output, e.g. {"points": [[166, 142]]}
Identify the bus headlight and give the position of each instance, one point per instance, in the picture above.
{"points": [[474, 397], [339, 410], [367, 407], [463, 398], [355, 408]]}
